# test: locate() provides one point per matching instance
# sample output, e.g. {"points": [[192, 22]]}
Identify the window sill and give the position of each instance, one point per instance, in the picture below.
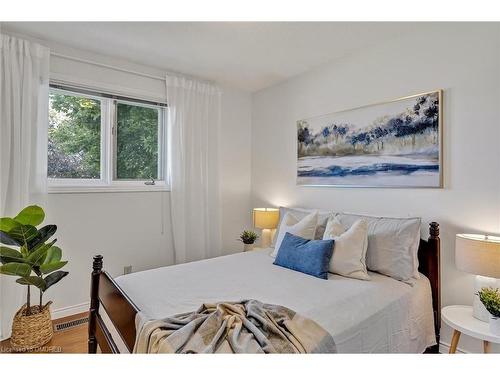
{"points": [[106, 189]]}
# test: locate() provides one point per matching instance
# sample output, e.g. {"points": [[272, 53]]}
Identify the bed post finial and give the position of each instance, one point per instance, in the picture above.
{"points": [[97, 263], [94, 302], [434, 230]]}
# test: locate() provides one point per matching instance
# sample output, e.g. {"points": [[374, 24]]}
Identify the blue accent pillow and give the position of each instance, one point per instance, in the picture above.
{"points": [[307, 256]]}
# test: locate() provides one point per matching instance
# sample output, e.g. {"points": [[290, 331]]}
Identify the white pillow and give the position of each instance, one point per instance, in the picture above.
{"points": [[392, 244], [305, 228], [349, 249], [300, 213]]}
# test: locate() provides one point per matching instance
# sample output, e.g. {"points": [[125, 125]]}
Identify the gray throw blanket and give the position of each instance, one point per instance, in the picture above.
{"points": [[243, 327]]}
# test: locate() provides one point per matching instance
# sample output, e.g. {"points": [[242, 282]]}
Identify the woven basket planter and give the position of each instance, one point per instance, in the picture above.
{"points": [[30, 332]]}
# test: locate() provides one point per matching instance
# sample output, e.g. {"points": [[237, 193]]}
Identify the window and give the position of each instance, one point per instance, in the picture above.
{"points": [[102, 142], [74, 149], [137, 139]]}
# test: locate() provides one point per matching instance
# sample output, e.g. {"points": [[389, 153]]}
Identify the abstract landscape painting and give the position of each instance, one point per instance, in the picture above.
{"points": [[395, 144]]}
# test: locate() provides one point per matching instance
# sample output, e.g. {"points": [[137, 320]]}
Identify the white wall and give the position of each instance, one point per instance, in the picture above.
{"points": [[462, 59], [134, 228]]}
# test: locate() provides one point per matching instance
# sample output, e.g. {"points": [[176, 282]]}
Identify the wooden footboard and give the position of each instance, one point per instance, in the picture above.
{"points": [[120, 309]]}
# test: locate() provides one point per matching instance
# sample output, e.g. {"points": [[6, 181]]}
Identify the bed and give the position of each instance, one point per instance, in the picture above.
{"points": [[381, 315]]}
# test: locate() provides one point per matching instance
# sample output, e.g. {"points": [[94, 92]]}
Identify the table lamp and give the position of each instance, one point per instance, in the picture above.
{"points": [[479, 255], [266, 219]]}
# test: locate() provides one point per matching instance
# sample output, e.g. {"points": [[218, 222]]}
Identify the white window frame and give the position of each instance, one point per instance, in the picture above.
{"points": [[107, 181]]}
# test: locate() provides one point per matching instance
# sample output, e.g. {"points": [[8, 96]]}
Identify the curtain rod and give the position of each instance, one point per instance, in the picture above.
{"points": [[67, 57], [158, 78]]}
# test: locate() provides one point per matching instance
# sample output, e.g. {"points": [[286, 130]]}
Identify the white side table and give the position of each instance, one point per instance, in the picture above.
{"points": [[461, 320]]}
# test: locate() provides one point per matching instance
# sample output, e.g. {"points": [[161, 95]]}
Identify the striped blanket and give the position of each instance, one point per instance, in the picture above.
{"points": [[243, 327]]}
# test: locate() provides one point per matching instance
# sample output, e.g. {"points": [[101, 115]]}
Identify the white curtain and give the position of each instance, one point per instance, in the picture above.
{"points": [[194, 124], [24, 89]]}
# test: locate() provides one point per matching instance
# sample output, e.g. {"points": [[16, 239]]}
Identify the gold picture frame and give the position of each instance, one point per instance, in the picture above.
{"points": [[346, 148]]}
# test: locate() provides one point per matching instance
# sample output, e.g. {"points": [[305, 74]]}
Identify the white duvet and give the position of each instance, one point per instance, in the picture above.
{"points": [[381, 315]]}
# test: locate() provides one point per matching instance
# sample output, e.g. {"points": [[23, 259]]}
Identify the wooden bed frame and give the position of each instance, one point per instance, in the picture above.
{"points": [[121, 310]]}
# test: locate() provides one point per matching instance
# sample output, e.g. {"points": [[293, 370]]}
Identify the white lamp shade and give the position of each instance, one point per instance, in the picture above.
{"points": [[478, 254], [265, 218]]}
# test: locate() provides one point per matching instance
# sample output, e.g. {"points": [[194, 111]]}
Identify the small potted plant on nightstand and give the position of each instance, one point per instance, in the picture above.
{"points": [[36, 262], [248, 238], [490, 298]]}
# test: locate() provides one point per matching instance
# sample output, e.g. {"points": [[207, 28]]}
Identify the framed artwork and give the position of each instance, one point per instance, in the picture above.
{"points": [[392, 144]]}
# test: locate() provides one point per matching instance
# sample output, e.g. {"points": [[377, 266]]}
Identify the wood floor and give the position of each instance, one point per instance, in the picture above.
{"points": [[70, 340]]}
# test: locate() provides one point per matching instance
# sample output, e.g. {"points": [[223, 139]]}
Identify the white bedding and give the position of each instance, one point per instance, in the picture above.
{"points": [[381, 315]]}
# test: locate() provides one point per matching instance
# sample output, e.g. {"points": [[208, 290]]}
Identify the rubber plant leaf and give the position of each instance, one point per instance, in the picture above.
{"points": [[53, 255], [43, 235], [23, 234], [16, 269], [54, 278], [8, 240], [24, 251], [10, 255], [50, 267], [7, 224], [31, 215], [38, 256], [33, 280]]}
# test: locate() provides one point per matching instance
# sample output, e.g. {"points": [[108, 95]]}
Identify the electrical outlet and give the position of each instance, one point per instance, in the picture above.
{"points": [[127, 270]]}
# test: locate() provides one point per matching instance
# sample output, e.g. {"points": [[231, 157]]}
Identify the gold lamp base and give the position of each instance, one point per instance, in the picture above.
{"points": [[266, 237]]}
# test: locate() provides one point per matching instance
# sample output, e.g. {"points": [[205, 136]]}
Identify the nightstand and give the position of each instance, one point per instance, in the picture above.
{"points": [[461, 320]]}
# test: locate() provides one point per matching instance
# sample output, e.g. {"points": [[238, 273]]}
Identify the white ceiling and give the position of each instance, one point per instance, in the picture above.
{"points": [[250, 56]]}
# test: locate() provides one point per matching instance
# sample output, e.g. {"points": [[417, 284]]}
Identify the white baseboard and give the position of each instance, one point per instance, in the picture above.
{"points": [[444, 348], [70, 310]]}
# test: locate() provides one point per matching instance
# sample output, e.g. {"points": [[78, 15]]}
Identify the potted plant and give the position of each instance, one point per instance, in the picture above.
{"points": [[36, 263], [490, 298], [248, 238]]}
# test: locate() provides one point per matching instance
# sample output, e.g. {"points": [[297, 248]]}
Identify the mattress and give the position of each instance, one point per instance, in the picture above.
{"points": [[378, 316]]}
